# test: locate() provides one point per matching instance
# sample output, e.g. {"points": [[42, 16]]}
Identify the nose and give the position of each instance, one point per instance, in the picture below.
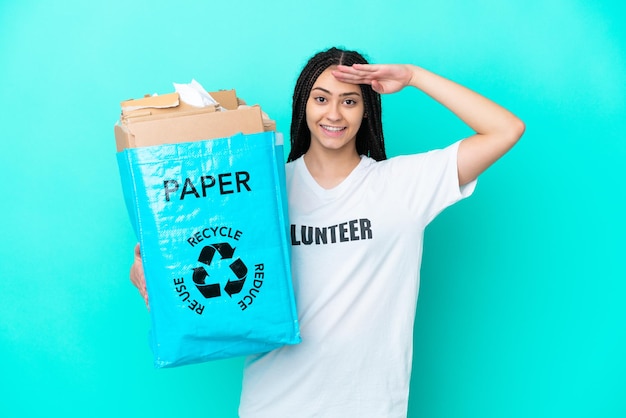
{"points": [[334, 114]]}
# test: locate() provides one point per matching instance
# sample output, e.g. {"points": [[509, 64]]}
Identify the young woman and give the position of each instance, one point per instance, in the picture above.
{"points": [[357, 222]]}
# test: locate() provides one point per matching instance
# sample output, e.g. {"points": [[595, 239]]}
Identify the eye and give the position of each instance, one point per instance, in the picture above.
{"points": [[350, 102], [320, 99]]}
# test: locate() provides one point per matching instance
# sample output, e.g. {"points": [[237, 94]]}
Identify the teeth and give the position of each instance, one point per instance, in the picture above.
{"points": [[332, 128]]}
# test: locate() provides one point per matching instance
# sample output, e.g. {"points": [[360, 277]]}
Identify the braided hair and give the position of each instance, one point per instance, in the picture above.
{"points": [[369, 138]]}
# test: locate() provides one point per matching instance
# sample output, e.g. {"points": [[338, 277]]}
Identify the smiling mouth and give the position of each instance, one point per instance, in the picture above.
{"points": [[332, 128]]}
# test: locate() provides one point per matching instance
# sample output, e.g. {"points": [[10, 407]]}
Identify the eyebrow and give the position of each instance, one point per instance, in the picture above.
{"points": [[350, 93]]}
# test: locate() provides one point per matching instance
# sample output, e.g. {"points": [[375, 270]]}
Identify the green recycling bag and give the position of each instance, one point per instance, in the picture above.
{"points": [[211, 219]]}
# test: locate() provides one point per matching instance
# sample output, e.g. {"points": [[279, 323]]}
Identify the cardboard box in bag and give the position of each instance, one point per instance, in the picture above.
{"points": [[165, 119]]}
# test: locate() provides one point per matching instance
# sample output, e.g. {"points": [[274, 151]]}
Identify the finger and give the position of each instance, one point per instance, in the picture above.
{"points": [[144, 295], [367, 68], [137, 251], [137, 276], [378, 87], [143, 290], [353, 78], [365, 73]]}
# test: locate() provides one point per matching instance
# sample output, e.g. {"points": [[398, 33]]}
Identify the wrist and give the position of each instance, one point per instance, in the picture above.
{"points": [[415, 75]]}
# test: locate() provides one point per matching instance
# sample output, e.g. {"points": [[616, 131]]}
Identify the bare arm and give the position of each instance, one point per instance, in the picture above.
{"points": [[497, 129]]}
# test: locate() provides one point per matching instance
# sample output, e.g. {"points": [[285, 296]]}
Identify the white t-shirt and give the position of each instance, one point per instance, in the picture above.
{"points": [[356, 255]]}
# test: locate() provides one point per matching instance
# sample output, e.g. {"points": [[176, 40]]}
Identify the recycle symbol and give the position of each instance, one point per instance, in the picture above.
{"points": [[237, 267]]}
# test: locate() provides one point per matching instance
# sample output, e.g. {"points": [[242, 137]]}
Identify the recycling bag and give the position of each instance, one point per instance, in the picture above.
{"points": [[211, 219]]}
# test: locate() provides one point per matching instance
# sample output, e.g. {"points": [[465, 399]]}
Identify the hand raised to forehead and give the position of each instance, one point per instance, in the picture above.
{"points": [[384, 78]]}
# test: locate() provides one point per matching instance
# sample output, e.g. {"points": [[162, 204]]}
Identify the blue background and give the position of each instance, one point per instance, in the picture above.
{"points": [[521, 310]]}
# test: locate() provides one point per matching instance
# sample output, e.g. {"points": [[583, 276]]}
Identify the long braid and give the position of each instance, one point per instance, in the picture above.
{"points": [[369, 138]]}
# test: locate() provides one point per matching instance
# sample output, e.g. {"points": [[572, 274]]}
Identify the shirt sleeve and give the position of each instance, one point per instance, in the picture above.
{"points": [[432, 181]]}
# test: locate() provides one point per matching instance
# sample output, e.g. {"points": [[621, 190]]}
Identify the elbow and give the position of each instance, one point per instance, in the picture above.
{"points": [[511, 132], [516, 130]]}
